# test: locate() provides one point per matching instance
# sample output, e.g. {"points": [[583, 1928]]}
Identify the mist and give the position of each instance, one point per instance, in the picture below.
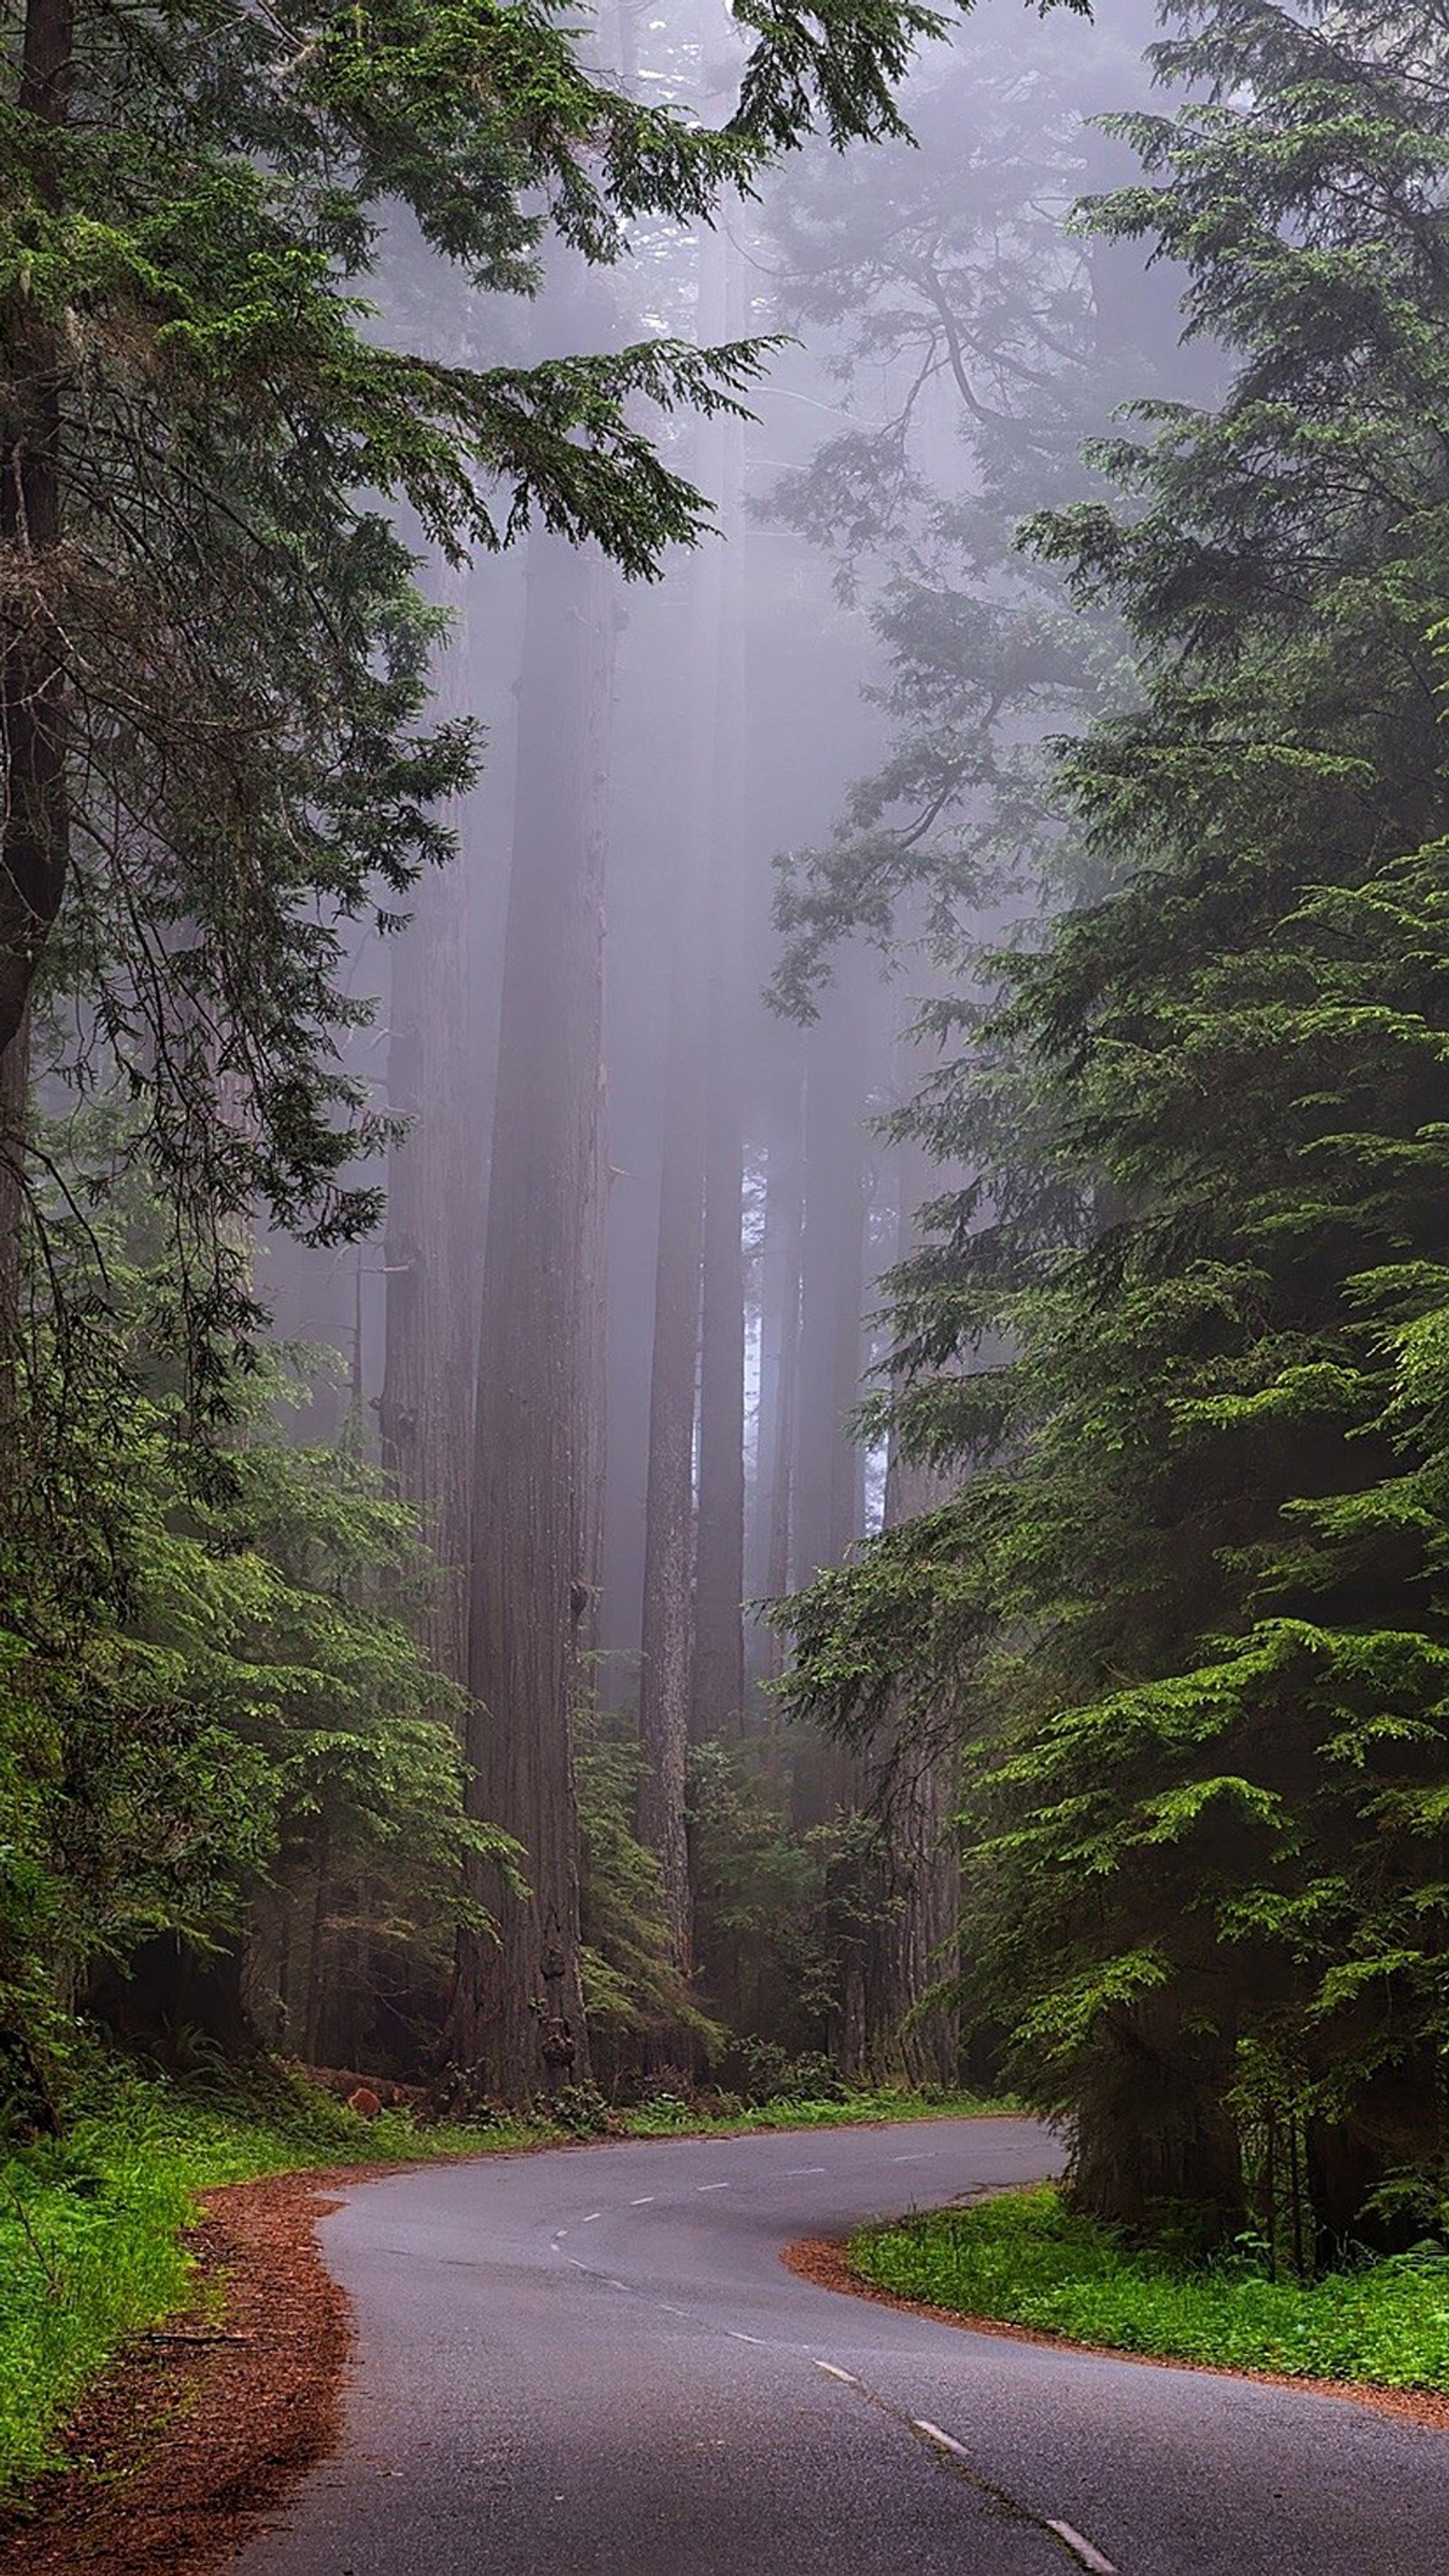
{"points": [[738, 834]]}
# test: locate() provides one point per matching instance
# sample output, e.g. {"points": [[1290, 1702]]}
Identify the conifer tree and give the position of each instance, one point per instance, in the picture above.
{"points": [[1194, 1614]]}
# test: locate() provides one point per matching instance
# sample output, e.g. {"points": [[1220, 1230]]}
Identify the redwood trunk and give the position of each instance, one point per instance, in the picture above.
{"points": [[918, 1938], [827, 1481], [667, 1621], [719, 1654], [779, 1352], [434, 1222], [530, 1457], [917, 1945]]}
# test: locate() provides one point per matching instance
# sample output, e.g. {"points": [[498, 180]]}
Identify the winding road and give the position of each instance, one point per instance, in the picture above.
{"points": [[594, 2359]]}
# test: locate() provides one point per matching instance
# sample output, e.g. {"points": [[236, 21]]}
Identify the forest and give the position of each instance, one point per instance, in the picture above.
{"points": [[724, 1081]]}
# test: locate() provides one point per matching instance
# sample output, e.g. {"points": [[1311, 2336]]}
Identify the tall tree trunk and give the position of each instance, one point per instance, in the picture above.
{"points": [[674, 1682], [828, 1468], [827, 1476], [589, 1405], [434, 1216], [719, 1650], [918, 1933], [779, 1351], [667, 1621], [915, 1761], [34, 838], [540, 1229]]}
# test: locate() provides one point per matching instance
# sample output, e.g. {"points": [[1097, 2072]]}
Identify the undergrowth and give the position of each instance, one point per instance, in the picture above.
{"points": [[1025, 2259], [671, 2115]]}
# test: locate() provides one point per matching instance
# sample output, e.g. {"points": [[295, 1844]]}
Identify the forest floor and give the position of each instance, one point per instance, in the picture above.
{"points": [[1022, 2261], [130, 2303]]}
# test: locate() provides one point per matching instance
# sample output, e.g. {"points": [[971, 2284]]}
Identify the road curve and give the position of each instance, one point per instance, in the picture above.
{"points": [[594, 2359]]}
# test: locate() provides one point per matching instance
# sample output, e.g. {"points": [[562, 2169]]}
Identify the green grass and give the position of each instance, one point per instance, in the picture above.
{"points": [[90, 2230], [672, 2117], [1025, 2259]]}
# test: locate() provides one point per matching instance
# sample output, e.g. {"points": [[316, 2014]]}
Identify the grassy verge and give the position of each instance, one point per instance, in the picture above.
{"points": [[90, 2230], [674, 2118], [1026, 2260]]}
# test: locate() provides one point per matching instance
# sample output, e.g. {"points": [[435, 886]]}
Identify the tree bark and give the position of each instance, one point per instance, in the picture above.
{"points": [[667, 1622], [1155, 2130], [692, 1654], [779, 1352], [828, 1471], [434, 1218], [828, 1479], [918, 1940], [534, 1331], [719, 1651], [34, 839]]}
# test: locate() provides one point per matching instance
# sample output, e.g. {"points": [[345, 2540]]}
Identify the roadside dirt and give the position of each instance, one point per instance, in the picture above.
{"points": [[202, 2427], [823, 2261]]}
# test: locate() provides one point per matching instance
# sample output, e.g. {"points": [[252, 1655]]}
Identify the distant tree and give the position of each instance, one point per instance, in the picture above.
{"points": [[667, 1607], [719, 1649], [534, 1433]]}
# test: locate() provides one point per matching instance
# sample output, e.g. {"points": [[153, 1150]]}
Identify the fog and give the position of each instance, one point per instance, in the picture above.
{"points": [[736, 830]]}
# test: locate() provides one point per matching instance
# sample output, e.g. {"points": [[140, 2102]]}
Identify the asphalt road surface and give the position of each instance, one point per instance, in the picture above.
{"points": [[594, 2359]]}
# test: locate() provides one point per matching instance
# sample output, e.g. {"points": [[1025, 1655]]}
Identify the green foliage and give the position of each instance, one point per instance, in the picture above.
{"points": [[633, 1992], [1191, 1605], [235, 1689], [1027, 2259], [764, 1956]]}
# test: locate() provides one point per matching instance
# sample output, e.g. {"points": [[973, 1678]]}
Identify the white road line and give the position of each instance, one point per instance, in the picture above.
{"points": [[736, 2337], [593, 2214], [1082, 2549], [928, 2158], [646, 2202], [943, 2441], [578, 2266], [558, 2240], [792, 2173], [711, 2186]]}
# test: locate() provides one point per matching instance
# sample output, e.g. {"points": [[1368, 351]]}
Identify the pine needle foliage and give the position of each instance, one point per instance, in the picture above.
{"points": [[1192, 1606], [213, 659]]}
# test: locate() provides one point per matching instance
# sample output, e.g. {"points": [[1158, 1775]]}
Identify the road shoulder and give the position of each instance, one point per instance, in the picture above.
{"points": [[823, 2261], [204, 2425]]}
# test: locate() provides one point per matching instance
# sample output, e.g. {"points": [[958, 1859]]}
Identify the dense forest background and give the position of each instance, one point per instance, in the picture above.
{"points": [[723, 995]]}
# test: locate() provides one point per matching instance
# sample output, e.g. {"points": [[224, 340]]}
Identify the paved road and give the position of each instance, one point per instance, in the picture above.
{"points": [[594, 2360]]}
